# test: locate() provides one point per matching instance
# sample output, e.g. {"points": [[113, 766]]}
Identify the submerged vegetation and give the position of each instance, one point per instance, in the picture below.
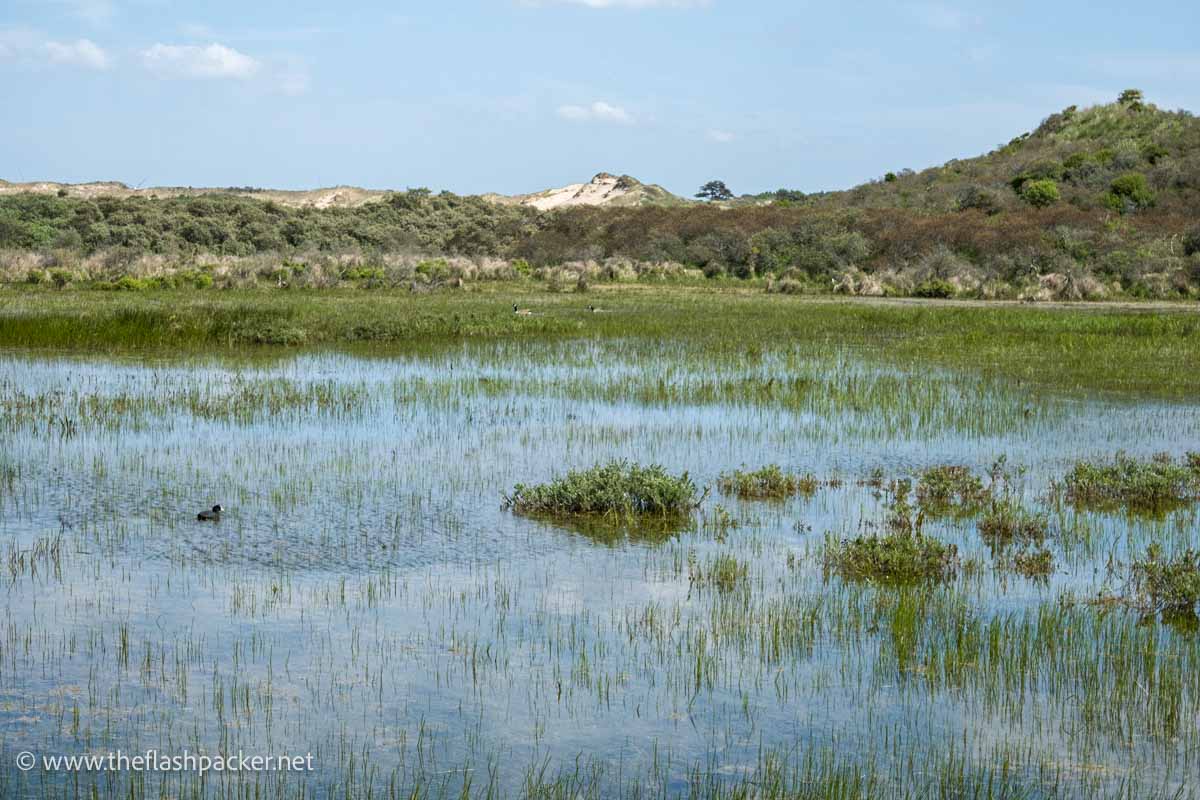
{"points": [[617, 489]]}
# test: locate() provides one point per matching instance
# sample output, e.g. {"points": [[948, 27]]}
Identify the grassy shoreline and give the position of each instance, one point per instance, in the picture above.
{"points": [[1123, 349]]}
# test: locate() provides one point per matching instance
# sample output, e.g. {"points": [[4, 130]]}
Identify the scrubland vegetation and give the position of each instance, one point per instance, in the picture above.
{"points": [[1095, 203]]}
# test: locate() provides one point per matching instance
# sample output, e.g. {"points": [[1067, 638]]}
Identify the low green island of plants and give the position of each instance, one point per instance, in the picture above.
{"points": [[618, 489], [766, 483], [1153, 486]]}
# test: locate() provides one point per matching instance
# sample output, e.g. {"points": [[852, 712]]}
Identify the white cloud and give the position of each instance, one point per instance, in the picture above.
{"points": [[721, 137], [190, 61], [598, 111], [942, 17], [82, 53]]}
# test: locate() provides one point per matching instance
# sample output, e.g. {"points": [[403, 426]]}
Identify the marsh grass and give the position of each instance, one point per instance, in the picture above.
{"points": [[1007, 521], [1154, 487], [950, 490], [618, 489], [894, 558], [767, 483], [724, 573], [1033, 562], [1162, 584]]}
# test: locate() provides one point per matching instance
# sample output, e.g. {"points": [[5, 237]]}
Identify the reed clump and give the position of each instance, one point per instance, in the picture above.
{"points": [[1153, 486], [767, 483], [1159, 583], [898, 557], [950, 489], [615, 489], [1007, 521]]}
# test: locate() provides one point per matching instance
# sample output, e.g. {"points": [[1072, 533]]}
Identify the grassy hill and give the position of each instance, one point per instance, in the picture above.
{"points": [[1083, 151]]}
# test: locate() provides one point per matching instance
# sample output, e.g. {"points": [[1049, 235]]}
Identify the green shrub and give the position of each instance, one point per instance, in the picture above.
{"points": [[619, 489], [1148, 486], [1040, 193], [61, 277], [895, 558], [935, 288], [974, 197], [1191, 242], [128, 283], [1128, 193], [35, 276], [363, 274], [435, 269], [1161, 584], [769, 482]]}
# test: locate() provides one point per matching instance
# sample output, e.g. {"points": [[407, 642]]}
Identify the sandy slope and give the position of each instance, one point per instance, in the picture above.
{"points": [[603, 189]]}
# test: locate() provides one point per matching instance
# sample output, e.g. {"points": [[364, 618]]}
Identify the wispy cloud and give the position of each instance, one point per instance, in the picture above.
{"points": [[942, 17], [192, 61], [29, 47], [81, 53], [721, 137], [598, 111]]}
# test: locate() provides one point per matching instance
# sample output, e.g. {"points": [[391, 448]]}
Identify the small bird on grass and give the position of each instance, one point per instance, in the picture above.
{"points": [[211, 516], [521, 312]]}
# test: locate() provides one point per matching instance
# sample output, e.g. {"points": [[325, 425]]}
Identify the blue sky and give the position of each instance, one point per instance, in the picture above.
{"points": [[519, 95]]}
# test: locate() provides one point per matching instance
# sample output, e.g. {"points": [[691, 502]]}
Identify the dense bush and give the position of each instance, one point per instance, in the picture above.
{"points": [[1040, 193], [1130, 192]]}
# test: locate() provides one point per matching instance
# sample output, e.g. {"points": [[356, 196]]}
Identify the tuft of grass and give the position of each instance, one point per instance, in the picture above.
{"points": [[1152, 486], [1006, 521], [768, 483], [725, 573], [1037, 563], [950, 490], [895, 558], [616, 489], [1166, 584]]}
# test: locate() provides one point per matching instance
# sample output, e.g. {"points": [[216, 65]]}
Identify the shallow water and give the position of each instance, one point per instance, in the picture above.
{"points": [[367, 599]]}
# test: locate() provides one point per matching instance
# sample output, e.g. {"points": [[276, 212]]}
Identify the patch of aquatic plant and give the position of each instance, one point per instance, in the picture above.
{"points": [[895, 558], [616, 489], [1160, 583], [1007, 521], [767, 483], [724, 572], [718, 522], [1032, 562], [950, 490], [1152, 486]]}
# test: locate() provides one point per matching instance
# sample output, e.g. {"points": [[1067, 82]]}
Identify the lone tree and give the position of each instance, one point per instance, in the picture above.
{"points": [[1132, 98], [715, 190]]}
